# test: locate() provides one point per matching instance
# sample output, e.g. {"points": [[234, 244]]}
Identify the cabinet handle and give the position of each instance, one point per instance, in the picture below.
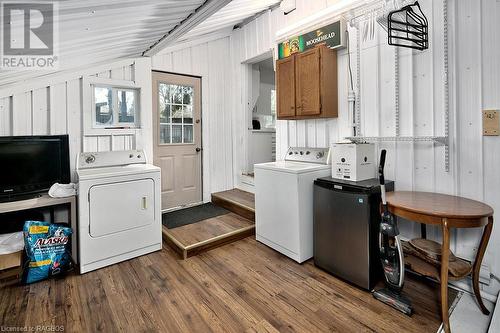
{"points": [[144, 203]]}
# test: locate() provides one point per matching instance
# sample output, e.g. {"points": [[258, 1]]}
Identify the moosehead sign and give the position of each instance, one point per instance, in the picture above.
{"points": [[332, 35]]}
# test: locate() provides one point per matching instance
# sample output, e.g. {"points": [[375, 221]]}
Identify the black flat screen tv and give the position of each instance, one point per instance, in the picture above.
{"points": [[30, 165]]}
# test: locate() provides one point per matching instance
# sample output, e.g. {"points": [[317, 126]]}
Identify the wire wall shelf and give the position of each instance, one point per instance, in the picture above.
{"points": [[438, 140], [442, 140]]}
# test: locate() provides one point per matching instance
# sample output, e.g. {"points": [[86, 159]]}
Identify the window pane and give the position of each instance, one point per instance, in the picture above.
{"points": [[188, 114], [176, 133], [164, 94], [165, 114], [176, 92], [126, 106], [188, 133], [103, 106], [188, 95], [177, 113], [165, 133]]}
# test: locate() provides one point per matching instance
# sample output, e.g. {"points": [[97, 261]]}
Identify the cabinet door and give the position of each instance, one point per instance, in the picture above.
{"points": [[307, 77], [285, 87]]}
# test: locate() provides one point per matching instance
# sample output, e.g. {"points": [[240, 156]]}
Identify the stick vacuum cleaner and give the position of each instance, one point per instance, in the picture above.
{"points": [[391, 255]]}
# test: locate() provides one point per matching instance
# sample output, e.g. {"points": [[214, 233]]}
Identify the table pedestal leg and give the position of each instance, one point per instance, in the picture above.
{"points": [[445, 253], [477, 264]]}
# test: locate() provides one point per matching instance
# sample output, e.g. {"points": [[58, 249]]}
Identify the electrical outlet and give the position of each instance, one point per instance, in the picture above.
{"points": [[491, 122]]}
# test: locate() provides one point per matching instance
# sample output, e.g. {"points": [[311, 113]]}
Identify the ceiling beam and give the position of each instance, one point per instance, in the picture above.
{"points": [[203, 12]]}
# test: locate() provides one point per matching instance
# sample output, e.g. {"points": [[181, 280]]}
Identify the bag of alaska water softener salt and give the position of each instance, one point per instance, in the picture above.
{"points": [[47, 250]]}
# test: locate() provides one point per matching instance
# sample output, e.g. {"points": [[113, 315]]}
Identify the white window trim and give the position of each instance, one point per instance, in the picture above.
{"points": [[89, 127]]}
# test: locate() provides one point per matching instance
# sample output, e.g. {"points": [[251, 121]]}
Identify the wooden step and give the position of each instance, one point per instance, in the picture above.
{"points": [[236, 201], [191, 239], [202, 236]]}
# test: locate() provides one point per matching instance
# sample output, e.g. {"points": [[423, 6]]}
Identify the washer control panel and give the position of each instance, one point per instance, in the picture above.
{"points": [[110, 158], [310, 155]]}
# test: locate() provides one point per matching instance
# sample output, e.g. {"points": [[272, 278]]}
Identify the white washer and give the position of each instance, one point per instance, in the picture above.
{"points": [[119, 208], [284, 200]]}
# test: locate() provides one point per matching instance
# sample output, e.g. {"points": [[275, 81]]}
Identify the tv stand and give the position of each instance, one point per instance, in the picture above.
{"points": [[45, 201], [22, 197]]}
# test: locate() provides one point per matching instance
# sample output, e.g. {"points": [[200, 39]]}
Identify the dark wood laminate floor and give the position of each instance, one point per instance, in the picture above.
{"points": [[243, 286]]}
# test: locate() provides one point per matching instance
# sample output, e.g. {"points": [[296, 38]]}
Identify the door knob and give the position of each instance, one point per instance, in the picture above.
{"points": [[198, 149]]}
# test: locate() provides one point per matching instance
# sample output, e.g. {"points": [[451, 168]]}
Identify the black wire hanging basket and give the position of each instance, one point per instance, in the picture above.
{"points": [[408, 27]]}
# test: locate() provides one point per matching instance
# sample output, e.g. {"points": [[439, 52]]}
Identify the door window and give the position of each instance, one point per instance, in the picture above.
{"points": [[176, 113]]}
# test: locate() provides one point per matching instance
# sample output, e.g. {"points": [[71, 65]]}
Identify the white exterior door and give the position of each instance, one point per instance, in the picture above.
{"points": [[177, 138]]}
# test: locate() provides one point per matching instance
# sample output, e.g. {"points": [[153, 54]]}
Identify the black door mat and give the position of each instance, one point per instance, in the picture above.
{"points": [[190, 215]]}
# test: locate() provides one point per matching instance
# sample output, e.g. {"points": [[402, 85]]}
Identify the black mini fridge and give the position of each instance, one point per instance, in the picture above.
{"points": [[346, 224]]}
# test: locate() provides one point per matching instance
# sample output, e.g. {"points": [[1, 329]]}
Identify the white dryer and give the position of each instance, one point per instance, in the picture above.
{"points": [[119, 207], [284, 200]]}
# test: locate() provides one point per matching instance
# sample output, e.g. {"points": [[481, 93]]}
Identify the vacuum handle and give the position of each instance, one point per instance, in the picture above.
{"points": [[381, 167], [381, 177]]}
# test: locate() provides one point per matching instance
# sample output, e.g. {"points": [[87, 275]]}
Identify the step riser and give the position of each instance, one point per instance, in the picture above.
{"points": [[234, 207], [186, 252], [223, 241]]}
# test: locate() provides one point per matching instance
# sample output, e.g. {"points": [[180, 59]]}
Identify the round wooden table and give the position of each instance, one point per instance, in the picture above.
{"points": [[449, 212]]}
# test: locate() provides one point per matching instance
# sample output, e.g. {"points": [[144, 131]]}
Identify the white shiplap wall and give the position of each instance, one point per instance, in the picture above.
{"points": [[54, 105], [474, 85], [209, 60]]}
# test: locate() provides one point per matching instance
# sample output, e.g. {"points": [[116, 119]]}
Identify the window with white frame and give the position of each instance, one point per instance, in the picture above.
{"points": [[115, 107]]}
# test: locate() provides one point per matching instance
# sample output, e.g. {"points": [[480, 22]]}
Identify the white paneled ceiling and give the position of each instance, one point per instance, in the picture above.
{"points": [[232, 14], [100, 31], [95, 32]]}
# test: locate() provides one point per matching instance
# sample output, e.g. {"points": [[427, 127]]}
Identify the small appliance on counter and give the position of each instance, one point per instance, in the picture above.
{"points": [[346, 226], [353, 161], [284, 201]]}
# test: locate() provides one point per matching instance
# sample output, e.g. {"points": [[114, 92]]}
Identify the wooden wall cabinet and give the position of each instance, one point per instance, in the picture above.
{"points": [[306, 85]]}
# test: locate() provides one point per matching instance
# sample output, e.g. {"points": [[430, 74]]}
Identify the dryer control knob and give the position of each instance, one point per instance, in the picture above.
{"points": [[90, 159]]}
